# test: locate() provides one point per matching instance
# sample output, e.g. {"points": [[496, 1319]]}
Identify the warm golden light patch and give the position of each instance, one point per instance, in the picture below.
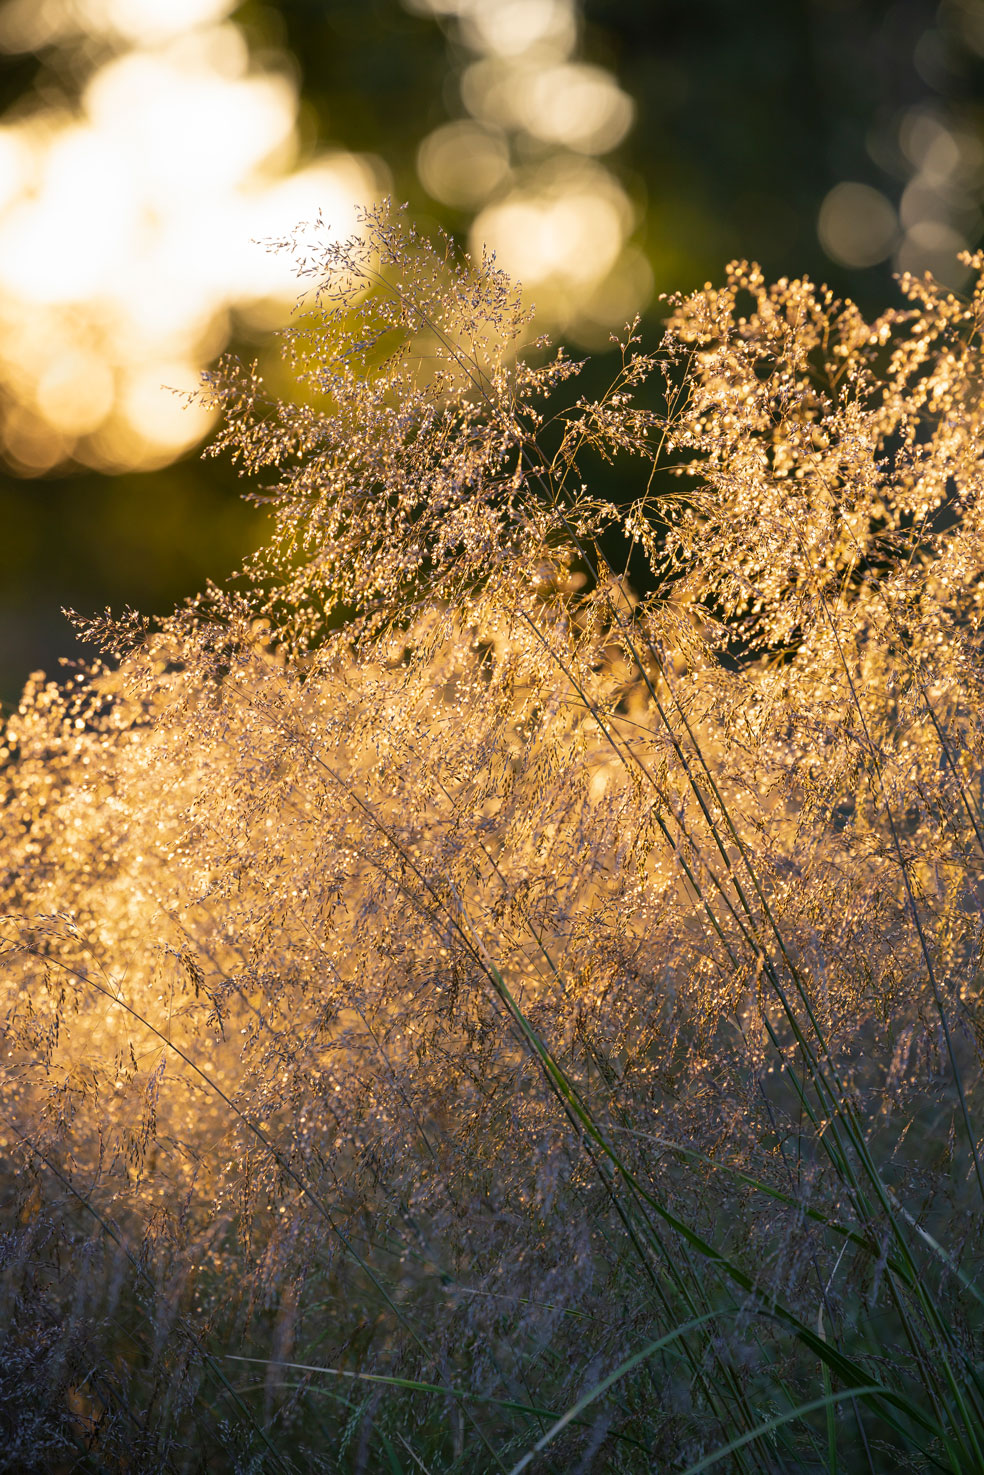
{"points": [[536, 115], [564, 237], [129, 227]]}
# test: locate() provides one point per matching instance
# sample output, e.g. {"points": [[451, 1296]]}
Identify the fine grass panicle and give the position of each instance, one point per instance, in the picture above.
{"points": [[497, 986]]}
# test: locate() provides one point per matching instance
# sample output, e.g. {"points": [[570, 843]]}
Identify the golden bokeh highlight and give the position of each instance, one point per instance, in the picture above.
{"points": [[130, 225], [857, 226], [936, 153], [528, 159]]}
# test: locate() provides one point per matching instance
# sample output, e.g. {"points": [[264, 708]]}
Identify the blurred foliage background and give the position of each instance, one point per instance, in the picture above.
{"points": [[609, 150]]}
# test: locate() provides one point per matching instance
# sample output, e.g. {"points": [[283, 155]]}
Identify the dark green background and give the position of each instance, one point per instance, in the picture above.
{"points": [[746, 116]]}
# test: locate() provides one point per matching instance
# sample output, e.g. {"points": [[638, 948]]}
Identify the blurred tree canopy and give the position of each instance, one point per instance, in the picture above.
{"points": [[838, 138]]}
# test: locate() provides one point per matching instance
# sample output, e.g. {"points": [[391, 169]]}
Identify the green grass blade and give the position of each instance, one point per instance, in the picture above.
{"points": [[861, 1391], [578, 1408]]}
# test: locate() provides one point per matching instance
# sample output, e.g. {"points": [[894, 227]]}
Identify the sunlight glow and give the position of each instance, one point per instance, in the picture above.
{"points": [[76, 392], [564, 239], [510, 27], [580, 107], [26, 25], [536, 113], [129, 226], [462, 163], [163, 415], [573, 232]]}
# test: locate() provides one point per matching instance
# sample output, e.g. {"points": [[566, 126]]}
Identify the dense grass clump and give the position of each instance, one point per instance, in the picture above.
{"points": [[498, 987]]}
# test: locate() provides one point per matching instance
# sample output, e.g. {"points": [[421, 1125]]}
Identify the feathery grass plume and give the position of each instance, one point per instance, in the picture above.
{"points": [[497, 986]]}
